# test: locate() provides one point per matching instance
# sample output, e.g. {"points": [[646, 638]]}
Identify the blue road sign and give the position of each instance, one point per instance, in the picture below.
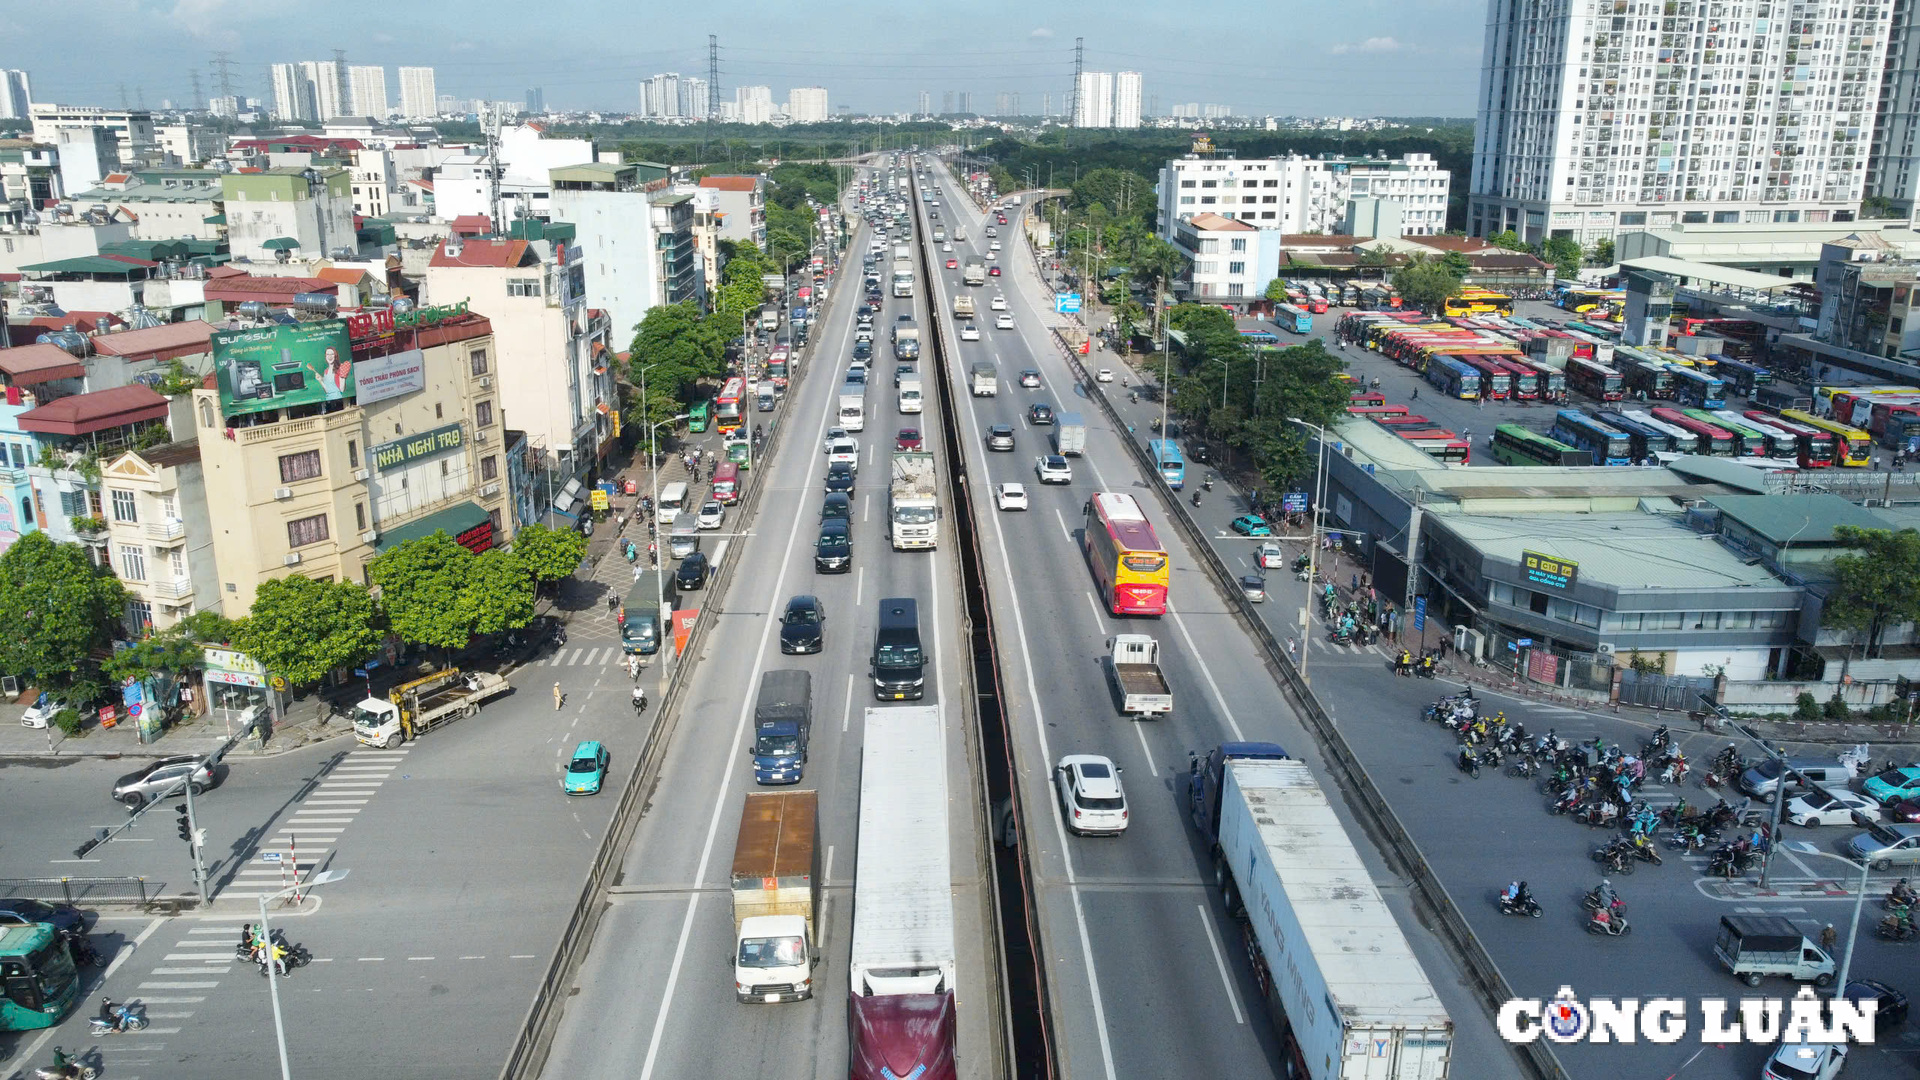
{"points": [[1066, 302], [1419, 613]]}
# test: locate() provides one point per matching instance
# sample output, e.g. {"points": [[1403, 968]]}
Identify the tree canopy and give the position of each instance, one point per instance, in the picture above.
{"points": [[1426, 283], [436, 592], [549, 554], [302, 629], [1876, 588], [58, 607]]}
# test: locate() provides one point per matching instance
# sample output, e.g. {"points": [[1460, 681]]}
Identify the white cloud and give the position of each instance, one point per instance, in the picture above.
{"points": [[1371, 45], [1041, 32]]}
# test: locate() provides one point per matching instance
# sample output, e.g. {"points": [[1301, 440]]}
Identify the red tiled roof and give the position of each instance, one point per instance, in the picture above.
{"points": [[87, 322], [83, 414], [1333, 242], [730, 183], [225, 272], [468, 224], [483, 251], [158, 342], [343, 275], [270, 289], [1216, 223], [117, 178], [427, 184], [26, 365]]}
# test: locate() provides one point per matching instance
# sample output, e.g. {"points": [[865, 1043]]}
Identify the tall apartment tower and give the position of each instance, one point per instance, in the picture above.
{"points": [[926, 104], [1604, 116], [323, 78], [292, 94], [1126, 99], [693, 97], [807, 105], [369, 83], [16, 95], [418, 98], [1893, 165], [1093, 103]]}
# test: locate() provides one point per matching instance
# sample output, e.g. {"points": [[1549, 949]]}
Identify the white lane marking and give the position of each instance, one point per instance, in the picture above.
{"points": [[726, 783], [859, 586], [846, 715], [195, 970], [1146, 752], [1207, 672], [1062, 519], [1219, 961], [164, 985], [1099, 621]]}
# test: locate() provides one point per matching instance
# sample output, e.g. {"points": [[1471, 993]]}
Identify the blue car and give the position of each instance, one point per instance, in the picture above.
{"points": [[1251, 525], [588, 769], [1893, 785]]}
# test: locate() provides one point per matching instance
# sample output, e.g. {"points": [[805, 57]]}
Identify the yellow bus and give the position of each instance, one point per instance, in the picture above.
{"points": [[1475, 301], [1130, 567], [1853, 447]]}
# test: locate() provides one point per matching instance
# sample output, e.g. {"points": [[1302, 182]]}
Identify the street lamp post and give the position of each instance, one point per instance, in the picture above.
{"points": [[659, 590], [324, 877], [1313, 546], [1225, 368], [1859, 900]]}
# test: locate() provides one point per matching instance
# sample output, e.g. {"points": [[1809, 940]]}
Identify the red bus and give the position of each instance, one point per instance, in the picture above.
{"points": [[1378, 411], [1552, 381], [1813, 447], [1496, 383], [1595, 380], [1406, 421], [1715, 441], [1366, 397], [730, 406], [1439, 443], [726, 483], [1526, 381], [1315, 305], [1130, 569]]}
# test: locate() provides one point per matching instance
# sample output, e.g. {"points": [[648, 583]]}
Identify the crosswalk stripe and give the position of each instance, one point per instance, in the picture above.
{"points": [[234, 929], [173, 1000], [208, 970], [176, 986]]}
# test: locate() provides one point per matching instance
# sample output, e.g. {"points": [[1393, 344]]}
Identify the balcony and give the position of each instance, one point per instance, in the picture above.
{"points": [[179, 588], [167, 529]]}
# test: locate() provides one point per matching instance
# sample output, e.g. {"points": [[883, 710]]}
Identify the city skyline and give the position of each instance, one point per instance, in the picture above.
{"points": [[1427, 66]]}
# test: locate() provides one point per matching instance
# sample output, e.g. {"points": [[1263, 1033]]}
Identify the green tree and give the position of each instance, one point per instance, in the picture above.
{"points": [[1877, 206], [1458, 263], [1426, 283], [1210, 333], [169, 652], [61, 607], [1116, 192], [1601, 254], [1565, 255], [302, 629], [421, 582], [1876, 587], [549, 554], [498, 593], [1277, 291], [1507, 239]]}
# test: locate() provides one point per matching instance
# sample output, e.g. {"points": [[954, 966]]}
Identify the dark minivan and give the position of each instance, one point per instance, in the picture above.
{"points": [[897, 657]]}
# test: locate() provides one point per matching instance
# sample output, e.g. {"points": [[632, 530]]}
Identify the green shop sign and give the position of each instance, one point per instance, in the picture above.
{"points": [[427, 316], [414, 447]]}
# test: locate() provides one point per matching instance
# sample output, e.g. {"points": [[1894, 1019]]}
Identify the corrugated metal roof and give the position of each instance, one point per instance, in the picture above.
{"points": [[1719, 275], [159, 342], [82, 414], [1627, 551], [1796, 519]]}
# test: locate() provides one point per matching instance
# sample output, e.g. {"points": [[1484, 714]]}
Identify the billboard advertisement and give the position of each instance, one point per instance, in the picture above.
{"points": [[378, 378], [279, 367]]}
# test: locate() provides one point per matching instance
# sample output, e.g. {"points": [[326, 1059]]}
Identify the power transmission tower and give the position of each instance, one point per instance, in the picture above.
{"points": [[490, 125], [713, 92], [1079, 62], [224, 66], [123, 97], [197, 105]]}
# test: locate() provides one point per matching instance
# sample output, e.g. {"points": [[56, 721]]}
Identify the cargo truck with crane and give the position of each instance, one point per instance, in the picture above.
{"points": [[414, 708], [1349, 999]]}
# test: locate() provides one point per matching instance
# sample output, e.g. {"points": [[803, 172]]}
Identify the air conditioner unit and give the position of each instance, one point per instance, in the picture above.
{"points": [[1605, 648], [369, 536], [292, 558], [361, 475], [480, 435], [490, 490], [283, 493], [485, 381]]}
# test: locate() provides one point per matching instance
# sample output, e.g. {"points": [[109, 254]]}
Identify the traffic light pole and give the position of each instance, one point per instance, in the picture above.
{"points": [[195, 838]]}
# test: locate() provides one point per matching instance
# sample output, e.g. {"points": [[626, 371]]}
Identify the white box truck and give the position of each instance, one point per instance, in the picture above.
{"points": [[900, 976], [984, 379], [1069, 434], [776, 892], [911, 400], [913, 508], [1343, 985]]}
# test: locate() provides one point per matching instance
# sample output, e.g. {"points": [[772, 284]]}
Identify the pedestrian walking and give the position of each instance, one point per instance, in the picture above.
{"points": [[1293, 650], [558, 697], [1416, 393], [1353, 586], [1828, 938]]}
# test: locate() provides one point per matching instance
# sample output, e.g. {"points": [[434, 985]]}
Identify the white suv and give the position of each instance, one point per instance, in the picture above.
{"points": [[1091, 795]]}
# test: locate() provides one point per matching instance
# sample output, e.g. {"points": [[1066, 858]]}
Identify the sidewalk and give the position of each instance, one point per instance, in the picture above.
{"points": [[202, 735]]}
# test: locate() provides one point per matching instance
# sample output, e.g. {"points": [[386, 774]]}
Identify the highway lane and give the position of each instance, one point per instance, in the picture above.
{"points": [[1673, 908], [1147, 973], [660, 961]]}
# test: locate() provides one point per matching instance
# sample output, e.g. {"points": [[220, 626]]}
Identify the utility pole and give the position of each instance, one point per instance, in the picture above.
{"points": [[490, 125], [123, 97]]}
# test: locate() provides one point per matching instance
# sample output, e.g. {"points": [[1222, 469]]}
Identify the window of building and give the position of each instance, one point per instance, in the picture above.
{"points": [[437, 414], [1569, 611], [1186, 200], [1633, 218], [489, 467], [123, 506], [359, 517], [478, 359], [73, 504], [301, 466], [1271, 183], [1209, 183], [483, 414], [307, 530], [1239, 244], [1623, 620], [1206, 267], [523, 286], [1207, 200], [206, 414], [133, 562], [1236, 268], [1186, 183], [139, 614], [1235, 288]]}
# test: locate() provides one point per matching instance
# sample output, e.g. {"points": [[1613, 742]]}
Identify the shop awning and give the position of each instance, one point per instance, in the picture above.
{"points": [[279, 243], [456, 521]]}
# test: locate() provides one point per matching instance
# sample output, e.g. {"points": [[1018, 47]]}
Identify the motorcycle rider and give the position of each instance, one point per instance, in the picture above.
{"points": [[1902, 894], [114, 1016], [639, 699]]}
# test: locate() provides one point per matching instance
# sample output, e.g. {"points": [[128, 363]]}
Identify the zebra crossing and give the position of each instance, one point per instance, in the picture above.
{"points": [[589, 656], [169, 994], [315, 825]]}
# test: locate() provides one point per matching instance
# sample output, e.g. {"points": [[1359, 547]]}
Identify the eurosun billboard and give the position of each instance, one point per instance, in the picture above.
{"points": [[280, 367]]}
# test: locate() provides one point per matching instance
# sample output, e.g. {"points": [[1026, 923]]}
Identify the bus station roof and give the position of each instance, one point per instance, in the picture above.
{"points": [[1719, 275]]}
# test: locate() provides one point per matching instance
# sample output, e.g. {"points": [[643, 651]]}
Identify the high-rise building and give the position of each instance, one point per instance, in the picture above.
{"points": [[369, 82], [418, 98], [16, 94], [1001, 104], [946, 102], [448, 105], [693, 97], [324, 77], [807, 104], [1126, 99], [660, 96], [537, 101], [292, 94], [966, 102], [227, 106], [1093, 100], [1893, 165], [926, 104], [1046, 104], [756, 104], [1590, 124]]}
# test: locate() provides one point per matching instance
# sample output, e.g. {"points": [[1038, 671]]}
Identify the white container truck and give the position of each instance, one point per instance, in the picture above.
{"points": [[900, 1007], [1348, 996], [776, 892], [1069, 434], [911, 399], [913, 508], [984, 380]]}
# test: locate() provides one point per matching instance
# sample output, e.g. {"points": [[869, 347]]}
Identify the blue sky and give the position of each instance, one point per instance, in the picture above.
{"points": [[1376, 57]]}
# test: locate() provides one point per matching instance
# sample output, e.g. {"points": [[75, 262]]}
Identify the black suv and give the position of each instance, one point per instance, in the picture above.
{"points": [[1040, 413], [836, 505], [840, 477], [833, 551], [803, 627], [692, 573]]}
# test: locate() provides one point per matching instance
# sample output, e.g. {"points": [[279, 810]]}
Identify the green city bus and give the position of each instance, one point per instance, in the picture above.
{"points": [[1516, 445], [39, 979], [697, 415]]}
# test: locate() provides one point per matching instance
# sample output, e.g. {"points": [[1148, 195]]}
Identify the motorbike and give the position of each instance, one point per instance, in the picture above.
{"points": [[1611, 926], [1564, 802], [1467, 762], [1207, 484], [1895, 928], [1711, 780], [1425, 667], [1598, 815], [1525, 906], [1643, 849], [639, 700], [1591, 901], [1897, 899], [64, 1068], [1614, 859], [83, 951], [1661, 739], [121, 1022], [1301, 562], [1491, 757], [1525, 767]]}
